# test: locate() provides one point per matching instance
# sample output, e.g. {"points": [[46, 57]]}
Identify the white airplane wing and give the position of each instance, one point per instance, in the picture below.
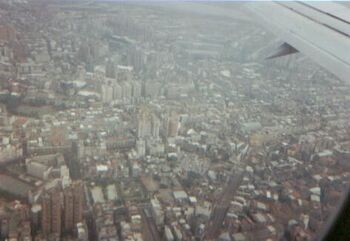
{"points": [[320, 30]]}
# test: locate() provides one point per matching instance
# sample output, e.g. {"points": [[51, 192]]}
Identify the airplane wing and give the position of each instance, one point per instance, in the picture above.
{"points": [[320, 30]]}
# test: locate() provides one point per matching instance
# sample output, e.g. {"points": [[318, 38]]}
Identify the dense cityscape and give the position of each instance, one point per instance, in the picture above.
{"points": [[129, 122]]}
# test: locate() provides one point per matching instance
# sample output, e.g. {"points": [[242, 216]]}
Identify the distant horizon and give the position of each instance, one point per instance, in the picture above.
{"points": [[216, 1]]}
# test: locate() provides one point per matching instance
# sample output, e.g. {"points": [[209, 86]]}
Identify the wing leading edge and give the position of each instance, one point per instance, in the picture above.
{"points": [[319, 30]]}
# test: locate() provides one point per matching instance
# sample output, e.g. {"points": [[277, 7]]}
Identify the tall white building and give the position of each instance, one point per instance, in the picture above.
{"points": [[136, 89], [144, 127], [127, 91], [117, 92], [155, 126], [141, 148], [106, 93], [148, 124]]}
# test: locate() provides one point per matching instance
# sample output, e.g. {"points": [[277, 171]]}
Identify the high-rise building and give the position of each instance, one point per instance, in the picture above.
{"points": [[46, 213], [78, 203], [62, 208], [155, 126], [3, 116], [35, 216], [106, 93], [141, 148], [56, 211], [127, 91], [148, 124], [51, 212], [173, 125], [68, 209], [144, 123], [73, 205], [117, 92], [136, 89]]}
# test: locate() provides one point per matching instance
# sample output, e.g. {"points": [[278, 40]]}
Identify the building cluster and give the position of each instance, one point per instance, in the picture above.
{"points": [[126, 123]]}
